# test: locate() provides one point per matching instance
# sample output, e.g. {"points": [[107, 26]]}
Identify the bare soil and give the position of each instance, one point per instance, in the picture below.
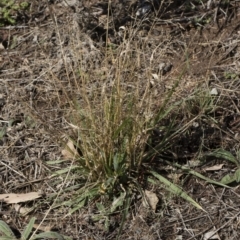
{"points": [[32, 105]]}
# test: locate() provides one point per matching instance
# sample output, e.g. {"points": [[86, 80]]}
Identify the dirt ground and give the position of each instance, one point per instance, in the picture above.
{"points": [[205, 37]]}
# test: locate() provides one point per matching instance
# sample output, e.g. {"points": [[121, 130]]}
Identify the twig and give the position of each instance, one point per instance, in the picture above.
{"points": [[13, 27]]}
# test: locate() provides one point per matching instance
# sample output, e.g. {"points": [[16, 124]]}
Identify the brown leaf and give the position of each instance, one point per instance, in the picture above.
{"points": [[22, 197], [152, 199], [1, 46], [211, 235], [22, 210], [69, 151], [214, 168], [43, 228]]}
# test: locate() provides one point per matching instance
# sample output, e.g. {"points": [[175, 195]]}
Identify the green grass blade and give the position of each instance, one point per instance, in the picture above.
{"points": [[126, 206], [220, 153], [125, 125], [237, 175], [27, 231], [118, 202], [2, 132], [54, 162], [175, 189], [49, 235], [100, 207], [7, 238], [199, 175], [6, 230], [162, 111], [80, 202], [206, 178], [79, 206], [62, 171], [228, 179]]}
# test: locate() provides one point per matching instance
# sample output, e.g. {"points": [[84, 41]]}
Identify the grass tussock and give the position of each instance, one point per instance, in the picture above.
{"points": [[123, 125], [138, 110], [113, 123], [112, 115], [114, 112]]}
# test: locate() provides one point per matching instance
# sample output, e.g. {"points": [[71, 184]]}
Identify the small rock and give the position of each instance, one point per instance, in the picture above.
{"points": [[165, 67], [144, 8], [214, 92], [195, 124]]}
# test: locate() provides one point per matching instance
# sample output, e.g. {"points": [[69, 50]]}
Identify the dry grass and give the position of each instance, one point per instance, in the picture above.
{"points": [[125, 120]]}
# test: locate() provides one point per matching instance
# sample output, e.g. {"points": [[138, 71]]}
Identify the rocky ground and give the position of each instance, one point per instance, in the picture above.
{"points": [[36, 57]]}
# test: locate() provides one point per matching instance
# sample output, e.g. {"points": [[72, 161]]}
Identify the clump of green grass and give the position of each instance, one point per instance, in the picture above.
{"points": [[231, 178], [8, 9], [113, 142], [7, 234], [113, 114]]}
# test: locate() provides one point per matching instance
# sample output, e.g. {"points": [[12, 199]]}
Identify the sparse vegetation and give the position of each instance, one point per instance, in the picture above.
{"points": [[139, 113], [9, 10], [7, 234]]}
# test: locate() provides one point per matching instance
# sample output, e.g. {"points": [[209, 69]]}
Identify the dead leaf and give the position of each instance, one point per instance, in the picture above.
{"points": [[70, 151], [211, 235], [22, 197], [1, 46], [152, 199], [43, 228], [22, 210], [214, 168], [155, 76]]}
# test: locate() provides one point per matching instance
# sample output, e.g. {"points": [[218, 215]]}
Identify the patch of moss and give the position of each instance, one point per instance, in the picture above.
{"points": [[9, 10]]}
